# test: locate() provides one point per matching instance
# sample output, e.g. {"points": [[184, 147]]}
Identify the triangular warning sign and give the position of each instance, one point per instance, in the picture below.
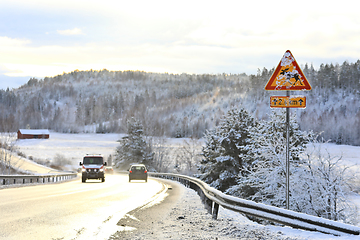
{"points": [[288, 76]]}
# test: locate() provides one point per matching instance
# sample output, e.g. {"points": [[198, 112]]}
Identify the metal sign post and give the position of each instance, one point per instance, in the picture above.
{"points": [[287, 76], [287, 154]]}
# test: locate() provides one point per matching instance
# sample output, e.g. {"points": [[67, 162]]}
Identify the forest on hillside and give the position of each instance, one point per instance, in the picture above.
{"points": [[179, 105]]}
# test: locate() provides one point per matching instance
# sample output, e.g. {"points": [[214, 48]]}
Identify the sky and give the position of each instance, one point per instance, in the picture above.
{"points": [[42, 38]]}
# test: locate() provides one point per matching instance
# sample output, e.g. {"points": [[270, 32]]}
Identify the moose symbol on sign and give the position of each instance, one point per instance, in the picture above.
{"points": [[289, 75]]}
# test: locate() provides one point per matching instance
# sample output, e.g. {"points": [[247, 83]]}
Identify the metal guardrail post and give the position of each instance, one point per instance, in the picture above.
{"points": [[208, 205], [215, 211]]}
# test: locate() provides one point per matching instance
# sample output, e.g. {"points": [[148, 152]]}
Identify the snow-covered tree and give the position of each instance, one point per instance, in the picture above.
{"points": [[224, 154], [162, 159], [7, 149], [319, 183], [266, 181], [188, 156], [323, 186], [133, 147]]}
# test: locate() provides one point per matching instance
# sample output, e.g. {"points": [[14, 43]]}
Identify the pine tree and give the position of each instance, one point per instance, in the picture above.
{"points": [[267, 179], [225, 150], [133, 147]]}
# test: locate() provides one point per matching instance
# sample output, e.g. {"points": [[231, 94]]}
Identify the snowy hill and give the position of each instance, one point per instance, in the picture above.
{"points": [[178, 105]]}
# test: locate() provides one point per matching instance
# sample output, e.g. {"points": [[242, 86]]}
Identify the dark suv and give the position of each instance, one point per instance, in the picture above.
{"points": [[138, 172], [93, 168]]}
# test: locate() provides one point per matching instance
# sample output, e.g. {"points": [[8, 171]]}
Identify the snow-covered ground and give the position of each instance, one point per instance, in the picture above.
{"points": [[189, 220], [71, 146], [350, 155], [75, 146]]}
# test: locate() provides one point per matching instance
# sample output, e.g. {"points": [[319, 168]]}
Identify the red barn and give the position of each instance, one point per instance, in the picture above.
{"points": [[33, 133]]}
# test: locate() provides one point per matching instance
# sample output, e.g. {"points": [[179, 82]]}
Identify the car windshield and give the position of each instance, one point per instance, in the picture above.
{"points": [[93, 160]]}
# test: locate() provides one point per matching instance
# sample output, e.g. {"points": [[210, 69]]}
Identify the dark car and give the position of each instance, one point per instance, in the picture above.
{"points": [[138, 172], [109, 170]]}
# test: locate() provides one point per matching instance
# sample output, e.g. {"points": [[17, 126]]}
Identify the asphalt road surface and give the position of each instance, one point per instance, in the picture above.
{"points": [[73, 210]]}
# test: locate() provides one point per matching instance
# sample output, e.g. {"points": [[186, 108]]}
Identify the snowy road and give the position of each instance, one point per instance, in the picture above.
{"points": [[71, 210]]}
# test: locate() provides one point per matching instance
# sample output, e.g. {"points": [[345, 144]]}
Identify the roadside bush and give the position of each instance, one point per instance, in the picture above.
{"points": [[60, 160]]}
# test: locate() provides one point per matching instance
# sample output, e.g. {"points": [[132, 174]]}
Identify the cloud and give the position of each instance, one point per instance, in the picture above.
{"points": [[67, 32], [194, 36], [6, 42]]}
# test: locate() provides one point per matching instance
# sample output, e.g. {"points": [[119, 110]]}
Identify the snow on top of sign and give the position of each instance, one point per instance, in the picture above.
{"points": [[287, 59]]}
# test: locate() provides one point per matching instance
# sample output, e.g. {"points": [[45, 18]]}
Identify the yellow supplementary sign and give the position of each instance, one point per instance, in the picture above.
{"points": [[288, 76], [287, 102]]}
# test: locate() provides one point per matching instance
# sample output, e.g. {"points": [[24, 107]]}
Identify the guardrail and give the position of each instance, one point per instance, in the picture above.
{"points": [[46, 178], [213, 198]]}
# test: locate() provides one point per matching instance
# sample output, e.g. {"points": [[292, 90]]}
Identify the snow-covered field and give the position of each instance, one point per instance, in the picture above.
{"points": [[75, 146], [350, 155], [71, 146]]}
